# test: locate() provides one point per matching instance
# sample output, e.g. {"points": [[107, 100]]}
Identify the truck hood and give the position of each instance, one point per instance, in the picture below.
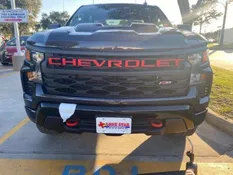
{"points": [[114, 39]]}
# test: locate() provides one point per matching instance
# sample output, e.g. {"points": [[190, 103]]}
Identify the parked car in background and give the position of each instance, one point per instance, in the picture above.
{"points": [[9, 49], [211, 40]]}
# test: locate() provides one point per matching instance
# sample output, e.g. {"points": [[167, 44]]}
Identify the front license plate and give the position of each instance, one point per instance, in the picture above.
{"points": [[113, 125]]}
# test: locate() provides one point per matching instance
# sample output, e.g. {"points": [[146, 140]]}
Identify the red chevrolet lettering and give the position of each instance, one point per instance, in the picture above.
{"points": [[143, 64], [84, 62], [115, 63], [99, 63], [160, 63], [52, 61], [177, 61], [163, 63], [132, 63], [168, 62], [66, 61]]}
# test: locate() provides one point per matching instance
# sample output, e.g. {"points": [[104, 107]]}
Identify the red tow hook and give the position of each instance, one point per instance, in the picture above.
{"points": [[72, 123], [156, 124]]}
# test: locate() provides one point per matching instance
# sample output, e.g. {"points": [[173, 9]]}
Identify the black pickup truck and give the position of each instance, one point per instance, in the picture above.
{"points": [[117, 69]]}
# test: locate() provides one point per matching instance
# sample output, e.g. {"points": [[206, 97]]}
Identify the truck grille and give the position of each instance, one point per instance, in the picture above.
{"points": [[114, 86]]}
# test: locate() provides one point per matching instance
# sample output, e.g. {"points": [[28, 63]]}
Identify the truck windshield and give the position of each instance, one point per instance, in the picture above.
{"points": [[119, 15]]}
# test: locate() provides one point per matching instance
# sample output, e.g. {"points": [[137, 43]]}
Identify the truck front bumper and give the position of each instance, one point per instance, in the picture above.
{"points": [[179, 114]]}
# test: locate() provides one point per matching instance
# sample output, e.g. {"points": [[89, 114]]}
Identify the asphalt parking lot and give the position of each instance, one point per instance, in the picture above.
{"points": [[25, 151]]}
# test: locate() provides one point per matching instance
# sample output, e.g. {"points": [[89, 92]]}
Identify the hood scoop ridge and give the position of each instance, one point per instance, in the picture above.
{"points": [[133, 27]]}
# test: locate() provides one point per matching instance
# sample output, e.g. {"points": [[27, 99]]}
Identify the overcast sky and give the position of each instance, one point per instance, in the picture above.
{"points": [[170, 8]]}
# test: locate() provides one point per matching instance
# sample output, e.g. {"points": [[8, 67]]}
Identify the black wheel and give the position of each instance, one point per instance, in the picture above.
{"points": [[4, 64], [47, 131], [191, 132]]}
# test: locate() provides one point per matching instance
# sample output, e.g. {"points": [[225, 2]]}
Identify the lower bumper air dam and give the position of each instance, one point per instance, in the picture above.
{"points": [[47, 116]]}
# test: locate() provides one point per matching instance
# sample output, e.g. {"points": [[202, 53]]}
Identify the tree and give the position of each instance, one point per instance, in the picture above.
{"points": [[202, 12], [205, 13], [54, 18], [33, 7]]}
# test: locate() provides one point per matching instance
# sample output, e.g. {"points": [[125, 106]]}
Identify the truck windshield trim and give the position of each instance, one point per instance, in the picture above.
{"points": [[119, 15]]}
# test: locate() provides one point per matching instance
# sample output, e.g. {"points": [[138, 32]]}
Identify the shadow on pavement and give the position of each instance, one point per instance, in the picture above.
{"points": [[166, 153], [156, 154], [79, 148], [217, 140], [147, 155]]}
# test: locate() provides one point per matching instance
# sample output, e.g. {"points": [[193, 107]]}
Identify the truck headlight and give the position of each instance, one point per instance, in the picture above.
{"points": [[195, 59], [199, 58], [35, 58]]}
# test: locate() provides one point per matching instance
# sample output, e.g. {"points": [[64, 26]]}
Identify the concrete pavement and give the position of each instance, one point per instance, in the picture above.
{"points": [[24, 150], [222, 59]]}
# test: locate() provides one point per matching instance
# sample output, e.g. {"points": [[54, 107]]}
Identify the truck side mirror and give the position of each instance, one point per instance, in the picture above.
{"points": [[184, 27], [54, 26]]}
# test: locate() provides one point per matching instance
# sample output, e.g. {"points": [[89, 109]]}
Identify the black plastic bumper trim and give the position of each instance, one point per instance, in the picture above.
{"points": [[47, 115], [40, 96], [123, 110]]}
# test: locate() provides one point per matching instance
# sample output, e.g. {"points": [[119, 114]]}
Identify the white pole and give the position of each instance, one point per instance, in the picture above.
{"points": [[224, 24], [16, 30]]}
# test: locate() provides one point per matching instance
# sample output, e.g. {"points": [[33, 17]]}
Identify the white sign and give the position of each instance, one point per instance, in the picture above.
{"points": [[16, 15], [112, 125]]}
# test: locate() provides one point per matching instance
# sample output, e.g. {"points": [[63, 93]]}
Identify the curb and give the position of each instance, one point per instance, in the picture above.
{"points": [[219, 122], [217, 47]]}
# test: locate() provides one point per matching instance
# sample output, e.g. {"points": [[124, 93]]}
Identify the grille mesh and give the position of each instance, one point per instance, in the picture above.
{"points": [[113, 86]]}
